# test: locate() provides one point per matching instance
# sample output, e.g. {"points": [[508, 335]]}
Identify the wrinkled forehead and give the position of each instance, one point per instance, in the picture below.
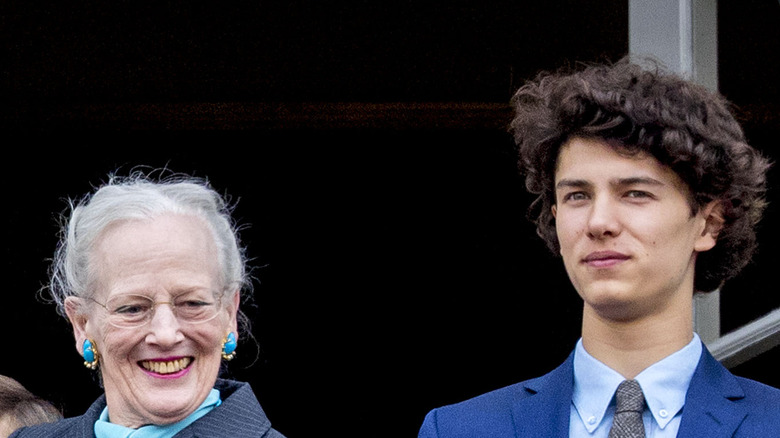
{"points": [[165, 252]]}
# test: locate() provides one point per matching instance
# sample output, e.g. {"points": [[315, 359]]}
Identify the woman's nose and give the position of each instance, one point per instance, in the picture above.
{"points": [[164, 327]]}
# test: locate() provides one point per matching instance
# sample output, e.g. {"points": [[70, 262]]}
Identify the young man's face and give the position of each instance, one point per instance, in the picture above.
{"points": [[626, 232]]}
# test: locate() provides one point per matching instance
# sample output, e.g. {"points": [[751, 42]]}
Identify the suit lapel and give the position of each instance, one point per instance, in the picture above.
{"points": [[710, 407], [544, 409]]}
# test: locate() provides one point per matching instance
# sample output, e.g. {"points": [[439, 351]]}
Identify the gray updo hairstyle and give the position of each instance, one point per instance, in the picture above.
{"points": [[142, 196]]}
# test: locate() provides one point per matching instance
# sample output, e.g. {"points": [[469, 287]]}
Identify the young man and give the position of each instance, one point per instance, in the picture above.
{"points": [[649, 192]]}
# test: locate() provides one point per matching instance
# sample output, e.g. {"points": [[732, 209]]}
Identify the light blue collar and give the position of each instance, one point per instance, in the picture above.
{"points": [[664, 384], [105, 429]]}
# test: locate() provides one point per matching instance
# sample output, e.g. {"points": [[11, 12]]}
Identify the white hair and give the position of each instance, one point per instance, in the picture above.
{"points": [[140, 196]]}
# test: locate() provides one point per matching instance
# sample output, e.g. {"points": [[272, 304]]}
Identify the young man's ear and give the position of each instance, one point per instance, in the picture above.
{"points": [[554, 210], [712, 214]]}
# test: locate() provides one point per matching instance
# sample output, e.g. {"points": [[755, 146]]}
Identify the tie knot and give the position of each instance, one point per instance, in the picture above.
{"points": [[629, 397]]}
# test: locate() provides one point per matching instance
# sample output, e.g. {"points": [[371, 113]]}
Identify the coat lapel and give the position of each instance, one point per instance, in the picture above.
{"points": [[544, 408], [711, 409], [239, 402]]}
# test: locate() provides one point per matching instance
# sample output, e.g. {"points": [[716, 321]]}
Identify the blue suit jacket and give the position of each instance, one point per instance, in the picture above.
{"points": [[239, 416], [718, 404]]}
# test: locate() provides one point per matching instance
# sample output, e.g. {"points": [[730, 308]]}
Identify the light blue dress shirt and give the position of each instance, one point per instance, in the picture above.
{"points": [[105, 429], [664, 385]]}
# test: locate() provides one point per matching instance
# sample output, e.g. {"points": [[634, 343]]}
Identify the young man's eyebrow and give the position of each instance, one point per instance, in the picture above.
{"points": [[634, 180], [572, 183], [637, 180]]}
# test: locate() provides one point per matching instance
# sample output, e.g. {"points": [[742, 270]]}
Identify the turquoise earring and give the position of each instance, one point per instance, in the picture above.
{"points": [[90, 354], [229, 346]]}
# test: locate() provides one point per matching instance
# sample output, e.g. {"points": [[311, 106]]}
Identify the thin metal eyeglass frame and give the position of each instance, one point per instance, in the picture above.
{"points": [[148, 318]]}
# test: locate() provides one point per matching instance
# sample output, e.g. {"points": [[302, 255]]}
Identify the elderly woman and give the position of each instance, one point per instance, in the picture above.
{"points": [[150, 274]]}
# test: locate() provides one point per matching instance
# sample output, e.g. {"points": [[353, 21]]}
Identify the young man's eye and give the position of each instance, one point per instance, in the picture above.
{"points": [[638, 194], [575, 196]]}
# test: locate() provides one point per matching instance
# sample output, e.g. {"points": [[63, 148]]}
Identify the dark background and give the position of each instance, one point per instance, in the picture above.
{"points": [[366, 145]]}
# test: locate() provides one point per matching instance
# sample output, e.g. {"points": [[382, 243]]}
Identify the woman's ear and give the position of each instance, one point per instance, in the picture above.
{"points": [[233, 309], [712, 214], [554, 210], [77, 314]]}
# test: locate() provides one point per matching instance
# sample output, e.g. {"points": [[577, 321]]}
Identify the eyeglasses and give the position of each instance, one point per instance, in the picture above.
{"points": [[129, 311]]}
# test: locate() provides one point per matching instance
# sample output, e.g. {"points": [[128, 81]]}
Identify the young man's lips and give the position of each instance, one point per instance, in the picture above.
{"points": [[604, 258]]}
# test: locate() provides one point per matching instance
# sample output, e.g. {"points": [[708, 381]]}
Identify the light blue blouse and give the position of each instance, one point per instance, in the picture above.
{"points": [[105, 429]]}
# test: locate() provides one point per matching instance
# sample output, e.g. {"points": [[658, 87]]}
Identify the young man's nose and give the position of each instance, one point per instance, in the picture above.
{"points": [[603, 218]]}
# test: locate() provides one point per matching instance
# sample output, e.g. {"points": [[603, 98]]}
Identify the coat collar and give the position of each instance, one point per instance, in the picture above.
{"points": [[544, 409], [238, 402], [712, 407]]}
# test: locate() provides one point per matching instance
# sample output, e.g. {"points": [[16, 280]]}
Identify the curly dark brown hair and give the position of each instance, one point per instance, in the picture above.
{"points": [[646, 109]]}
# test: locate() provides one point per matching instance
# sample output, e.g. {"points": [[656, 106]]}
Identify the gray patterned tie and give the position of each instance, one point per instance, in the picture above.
{"points": [[627, 422]]}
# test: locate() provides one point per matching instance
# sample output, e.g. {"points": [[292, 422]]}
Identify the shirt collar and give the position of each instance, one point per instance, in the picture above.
{"points": [[664, 384]]}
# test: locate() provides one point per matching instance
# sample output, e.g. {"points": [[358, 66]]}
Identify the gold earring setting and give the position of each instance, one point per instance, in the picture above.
{"points": [[90, 354]]}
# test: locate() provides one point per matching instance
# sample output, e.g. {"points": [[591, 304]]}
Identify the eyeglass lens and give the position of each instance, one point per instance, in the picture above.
{"points": [[127, 310]]}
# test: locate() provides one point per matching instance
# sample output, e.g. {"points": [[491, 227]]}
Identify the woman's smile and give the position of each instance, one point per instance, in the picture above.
{"points": [[167, 367]]}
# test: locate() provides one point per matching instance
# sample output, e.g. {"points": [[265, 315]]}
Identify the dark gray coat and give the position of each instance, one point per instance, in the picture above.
{"points": [[239, 416]]}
